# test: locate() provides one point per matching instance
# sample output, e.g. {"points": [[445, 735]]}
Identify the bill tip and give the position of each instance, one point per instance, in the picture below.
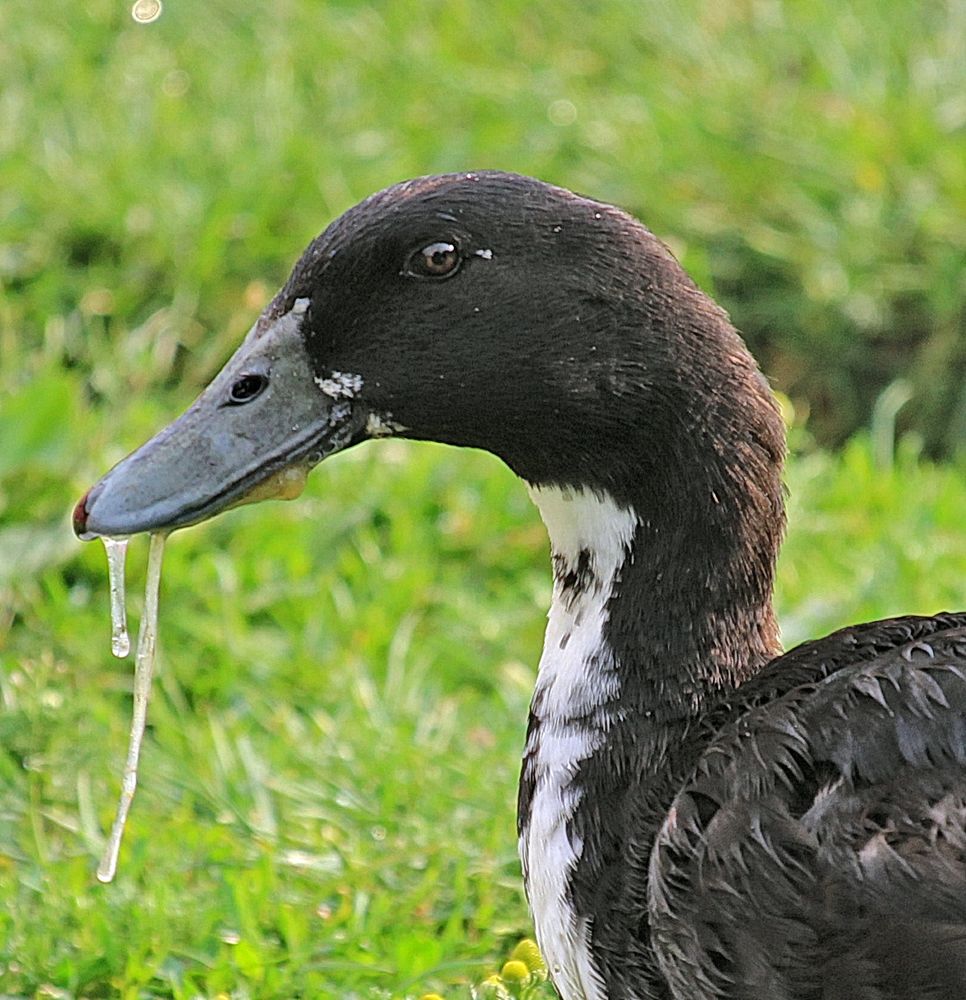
{"points": [[79, 518]]}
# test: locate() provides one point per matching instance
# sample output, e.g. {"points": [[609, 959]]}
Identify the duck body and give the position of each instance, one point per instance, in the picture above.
{"points": [[816, 848], [804, 838], [699, 816]]}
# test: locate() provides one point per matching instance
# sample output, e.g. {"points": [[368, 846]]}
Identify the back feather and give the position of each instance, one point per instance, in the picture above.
{"points": [[819, 848]]}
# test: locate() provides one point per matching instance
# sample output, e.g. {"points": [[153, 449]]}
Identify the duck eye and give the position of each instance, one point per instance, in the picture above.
{"points": [[245, 389], [438, 260]]}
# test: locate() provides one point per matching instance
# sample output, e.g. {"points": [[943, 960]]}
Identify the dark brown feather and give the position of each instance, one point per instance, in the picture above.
{"points": [[819, 848]]}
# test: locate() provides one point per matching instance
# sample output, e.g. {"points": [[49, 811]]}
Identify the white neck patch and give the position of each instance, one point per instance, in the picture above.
{"points": [[590, 536]]}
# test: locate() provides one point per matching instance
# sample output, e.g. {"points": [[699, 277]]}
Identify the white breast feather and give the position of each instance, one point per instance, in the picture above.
{"points": [[577, 675]]}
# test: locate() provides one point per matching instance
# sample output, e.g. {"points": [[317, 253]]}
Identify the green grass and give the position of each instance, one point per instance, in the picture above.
{"points": [[327, 789], [807, 160]]}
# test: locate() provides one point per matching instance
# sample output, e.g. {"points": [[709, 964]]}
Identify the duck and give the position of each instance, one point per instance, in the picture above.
{"points": [[700, 815]]}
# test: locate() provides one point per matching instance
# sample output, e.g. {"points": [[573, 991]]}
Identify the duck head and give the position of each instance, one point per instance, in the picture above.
{"points": [[488, 310]]}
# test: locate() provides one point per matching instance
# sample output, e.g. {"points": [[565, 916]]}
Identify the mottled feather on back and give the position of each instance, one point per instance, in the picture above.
{"points": [[819, 847]]}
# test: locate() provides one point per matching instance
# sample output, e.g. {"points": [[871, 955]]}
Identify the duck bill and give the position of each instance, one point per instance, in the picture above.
{"points": [[230, 447]]}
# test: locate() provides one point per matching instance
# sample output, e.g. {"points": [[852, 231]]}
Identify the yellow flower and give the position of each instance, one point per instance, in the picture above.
{"points": [[528, 953], [515, 971]]}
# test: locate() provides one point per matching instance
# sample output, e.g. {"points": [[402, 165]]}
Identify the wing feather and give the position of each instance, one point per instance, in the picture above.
{"points": [[818, 849]]}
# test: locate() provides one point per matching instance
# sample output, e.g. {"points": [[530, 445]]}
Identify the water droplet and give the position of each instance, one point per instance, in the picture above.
{"points": [[143, 669], [116, 549], [146, 11]]}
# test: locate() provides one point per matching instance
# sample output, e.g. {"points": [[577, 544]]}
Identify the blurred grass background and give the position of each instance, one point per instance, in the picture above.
{"points": [[326, 806]]}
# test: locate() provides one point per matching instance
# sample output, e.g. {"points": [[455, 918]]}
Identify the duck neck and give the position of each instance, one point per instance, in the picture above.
{"points": [[652, 619]]}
